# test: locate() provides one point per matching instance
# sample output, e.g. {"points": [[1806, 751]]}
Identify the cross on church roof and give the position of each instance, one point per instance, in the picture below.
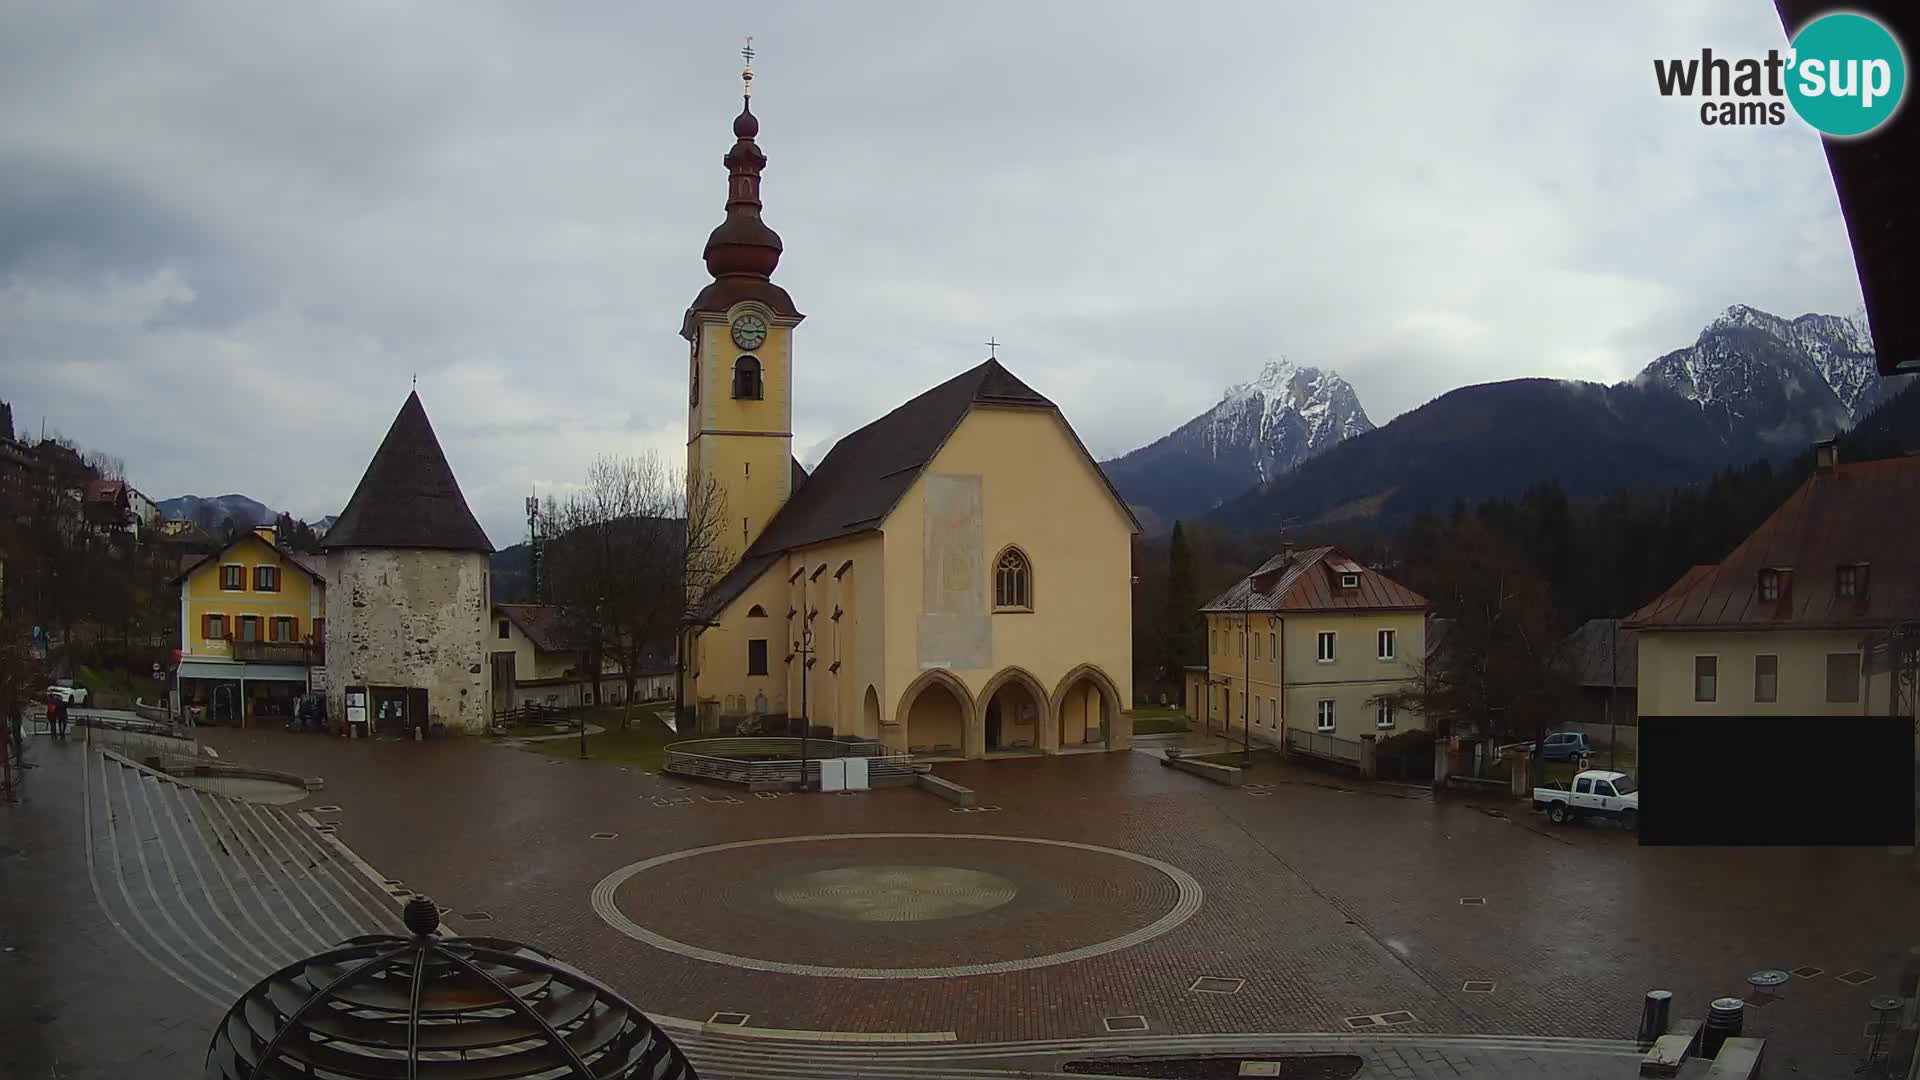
{"points": [[746, 73], [993, 349]]}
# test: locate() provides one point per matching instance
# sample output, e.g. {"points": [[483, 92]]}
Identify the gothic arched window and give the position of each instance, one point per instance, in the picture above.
{"points": [[1012, 581], [756, 612], [746, 378]]}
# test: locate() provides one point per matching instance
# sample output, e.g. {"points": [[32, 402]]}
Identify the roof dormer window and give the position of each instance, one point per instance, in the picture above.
{"points": [[1349, 581], [1850, 580], [1769, 585]]}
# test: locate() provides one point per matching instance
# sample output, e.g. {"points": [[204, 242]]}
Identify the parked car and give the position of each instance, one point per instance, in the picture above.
{"points": [[1565, 746], [1595, 793], [72, 695]]}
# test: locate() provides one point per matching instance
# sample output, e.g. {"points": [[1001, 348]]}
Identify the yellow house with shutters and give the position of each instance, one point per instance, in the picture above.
{"points": [[1301, 652], [252, 629], [953, 579]]}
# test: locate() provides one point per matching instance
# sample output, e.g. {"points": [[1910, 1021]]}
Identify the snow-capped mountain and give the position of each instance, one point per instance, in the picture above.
{"points": [[1778, 383], [1258, 431]]}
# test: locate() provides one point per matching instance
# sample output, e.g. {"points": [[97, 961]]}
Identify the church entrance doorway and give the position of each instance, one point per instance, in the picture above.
{"points": [[1013, 716], [1087, 708]]}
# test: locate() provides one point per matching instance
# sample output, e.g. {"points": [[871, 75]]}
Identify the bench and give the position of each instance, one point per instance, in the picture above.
{"points": [[956, 794], [1207, 770]]}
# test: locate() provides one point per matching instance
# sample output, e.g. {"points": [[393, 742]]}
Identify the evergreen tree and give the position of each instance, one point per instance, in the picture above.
{"points": [[1184, 633]]}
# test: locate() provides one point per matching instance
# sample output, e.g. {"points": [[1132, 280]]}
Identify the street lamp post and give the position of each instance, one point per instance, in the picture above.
{"points": [[1246, 679], [804, 650]]}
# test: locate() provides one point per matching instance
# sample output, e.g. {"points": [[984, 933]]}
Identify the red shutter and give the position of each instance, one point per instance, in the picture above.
{"points": [[206, 627]]}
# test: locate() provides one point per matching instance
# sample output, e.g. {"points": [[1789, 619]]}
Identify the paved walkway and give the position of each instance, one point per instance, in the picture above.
{"points": [[1324, 911]]}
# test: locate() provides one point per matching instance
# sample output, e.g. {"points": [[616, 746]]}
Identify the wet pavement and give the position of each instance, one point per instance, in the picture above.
{"points": [[1380, 918]]}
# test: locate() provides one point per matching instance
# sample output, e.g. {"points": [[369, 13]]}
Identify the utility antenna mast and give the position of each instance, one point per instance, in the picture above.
{"points": [[536, 550]]}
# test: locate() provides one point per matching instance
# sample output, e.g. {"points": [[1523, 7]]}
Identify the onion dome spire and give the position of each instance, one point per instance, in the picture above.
{"points": [[743, 245]]}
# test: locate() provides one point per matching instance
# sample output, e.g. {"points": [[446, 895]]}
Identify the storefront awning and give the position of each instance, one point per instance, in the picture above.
{"points": [[215, 669]]}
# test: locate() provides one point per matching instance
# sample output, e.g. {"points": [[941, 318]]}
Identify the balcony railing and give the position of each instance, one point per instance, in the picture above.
{"points": [[279, 652]]}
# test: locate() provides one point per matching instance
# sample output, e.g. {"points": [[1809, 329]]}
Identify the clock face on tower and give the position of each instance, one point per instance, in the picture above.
{"points": [[749, 331]]}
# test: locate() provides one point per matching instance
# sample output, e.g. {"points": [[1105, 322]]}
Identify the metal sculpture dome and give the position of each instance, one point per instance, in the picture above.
{"points": [[382, 1007]]}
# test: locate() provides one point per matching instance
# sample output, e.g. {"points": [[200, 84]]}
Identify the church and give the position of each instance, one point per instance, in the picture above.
{"points": [[952, 580]]}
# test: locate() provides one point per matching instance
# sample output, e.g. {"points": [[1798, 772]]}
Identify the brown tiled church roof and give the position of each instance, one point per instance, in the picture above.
{"points": [[408, 497], [856, 485], [1863, 516]]}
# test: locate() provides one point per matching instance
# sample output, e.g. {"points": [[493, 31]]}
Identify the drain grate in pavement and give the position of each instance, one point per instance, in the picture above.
{"points": [[1856, 977], [1473, 901], [1135, 1022], [604, 836], [478, 916], [329, 809], [1359, 1022], [1214, 984], [328, 827], [1808, 972], [1401, 1017], [971, 809], [1477, 986], [731, 1019]]}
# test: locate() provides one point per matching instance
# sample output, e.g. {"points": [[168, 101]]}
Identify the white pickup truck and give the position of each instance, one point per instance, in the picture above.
{"points": [[1595, 793]]}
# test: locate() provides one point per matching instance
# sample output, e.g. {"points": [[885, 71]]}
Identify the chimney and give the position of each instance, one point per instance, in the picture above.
{"points": [[1826, 455], [264, 532]]}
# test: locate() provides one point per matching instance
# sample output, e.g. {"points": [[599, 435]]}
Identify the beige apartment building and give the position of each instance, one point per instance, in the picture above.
{"points": [[1794, 621], [1300, 652]]}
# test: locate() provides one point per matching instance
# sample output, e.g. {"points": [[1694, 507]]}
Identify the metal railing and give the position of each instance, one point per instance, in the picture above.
{"points": [[774, 761], [1319, 744], [280, 652]]}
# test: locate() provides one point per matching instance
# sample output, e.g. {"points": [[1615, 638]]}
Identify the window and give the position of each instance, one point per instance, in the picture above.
{"points": [[1843, 677], [283, 628], [266, 579], [1349, 581], [1323, 647], [233, 578], [1766, 678], [1323, 714], [1213, 640], [756, 612], [249, 628], [1273, 645], [1385, 643], [1256, 646], [1769, 585], [1583, 786], [213, 627], [1623, 785], [1846, 581], [1706, 678], [1012, 582], [1601, 787], [1383, 713], [757, 656], [746, 379], [504, 632], [1273, 712]]}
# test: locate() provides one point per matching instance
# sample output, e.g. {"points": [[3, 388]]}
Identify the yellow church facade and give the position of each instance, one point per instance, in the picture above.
{"points": [[954, 579]]}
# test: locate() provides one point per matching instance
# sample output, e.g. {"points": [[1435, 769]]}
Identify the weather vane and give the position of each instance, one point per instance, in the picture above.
{"points": [[746, 73]]}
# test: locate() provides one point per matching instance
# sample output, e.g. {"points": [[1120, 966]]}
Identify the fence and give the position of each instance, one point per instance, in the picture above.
{"points": [[776, 761], [534, 712], [1321, 745]]}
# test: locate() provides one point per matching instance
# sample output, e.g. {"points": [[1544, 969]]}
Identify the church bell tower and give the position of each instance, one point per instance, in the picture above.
{"points": [[739, 332]]}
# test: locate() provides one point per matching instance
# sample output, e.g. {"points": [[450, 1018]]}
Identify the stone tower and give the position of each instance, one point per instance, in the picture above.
{"points": [[408, 586], [740, 365]]}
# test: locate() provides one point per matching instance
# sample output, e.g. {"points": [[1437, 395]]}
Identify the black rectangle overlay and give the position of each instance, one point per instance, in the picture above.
{"points": [[1777, 780]]}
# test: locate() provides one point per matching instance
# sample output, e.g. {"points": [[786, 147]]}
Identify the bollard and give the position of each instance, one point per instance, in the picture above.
{"points": [[1724, 1020], [1654, 1014]]}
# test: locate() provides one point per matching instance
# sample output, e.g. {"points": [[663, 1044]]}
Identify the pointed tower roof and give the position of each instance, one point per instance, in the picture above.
{"points": [[743, 250], [408, 497]]}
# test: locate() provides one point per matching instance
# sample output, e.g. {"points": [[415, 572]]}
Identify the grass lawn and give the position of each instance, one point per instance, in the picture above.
{"points": [[113, 689], [643, 744], [1158, 719]]}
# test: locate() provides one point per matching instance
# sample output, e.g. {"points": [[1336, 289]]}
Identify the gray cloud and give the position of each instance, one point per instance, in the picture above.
{"points": [[232, 234]]}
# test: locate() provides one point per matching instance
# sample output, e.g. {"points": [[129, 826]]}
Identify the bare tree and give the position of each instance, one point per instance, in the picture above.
{"points": [[628, 548]]}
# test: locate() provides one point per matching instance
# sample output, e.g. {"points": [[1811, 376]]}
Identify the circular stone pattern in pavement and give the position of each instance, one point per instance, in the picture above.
{"points": [[896, 893], [831, 906]]}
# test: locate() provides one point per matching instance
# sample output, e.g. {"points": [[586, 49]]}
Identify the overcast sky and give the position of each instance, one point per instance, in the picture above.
{"points": [[231, 234]]}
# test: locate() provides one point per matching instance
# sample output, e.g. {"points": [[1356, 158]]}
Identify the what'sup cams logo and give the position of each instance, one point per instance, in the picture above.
{"points": [[1843, 73]]}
